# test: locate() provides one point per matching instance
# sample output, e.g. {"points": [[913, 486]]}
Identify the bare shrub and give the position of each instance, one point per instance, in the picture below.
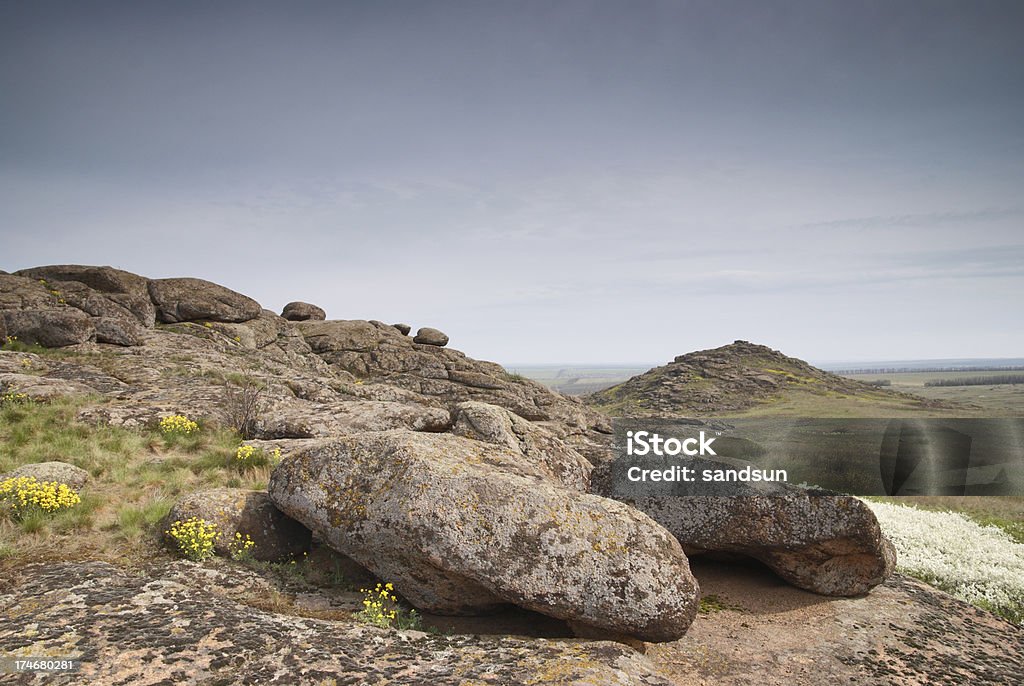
{"points": [[244, 403]]}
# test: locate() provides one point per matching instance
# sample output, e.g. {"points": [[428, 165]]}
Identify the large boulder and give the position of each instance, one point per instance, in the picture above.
{"points": [[249, 513], [103, 279], [300, 312], [188, 299], [61, 472], [828, 544], [429, 336], [99, 291], [461, 526], [50, 328], [493, 424]]}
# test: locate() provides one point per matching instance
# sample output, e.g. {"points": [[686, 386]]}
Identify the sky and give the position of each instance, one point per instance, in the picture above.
{"points": [[547, 182]]}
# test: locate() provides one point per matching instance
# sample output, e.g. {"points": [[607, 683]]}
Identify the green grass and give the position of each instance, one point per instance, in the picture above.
{"points": [[996, 400], [135, 476]]}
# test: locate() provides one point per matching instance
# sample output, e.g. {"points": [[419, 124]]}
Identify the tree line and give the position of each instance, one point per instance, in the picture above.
{"points": [[979, 380]]}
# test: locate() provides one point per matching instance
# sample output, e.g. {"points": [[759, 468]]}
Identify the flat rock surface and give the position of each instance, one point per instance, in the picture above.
{"points": [[132, 629], [903, 632]]}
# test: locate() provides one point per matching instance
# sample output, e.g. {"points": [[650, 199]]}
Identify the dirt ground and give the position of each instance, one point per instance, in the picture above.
{"points": [[903, 632]]}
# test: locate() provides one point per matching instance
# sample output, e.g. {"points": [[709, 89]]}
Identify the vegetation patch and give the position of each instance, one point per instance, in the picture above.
{"points": [[381, 608], [194, 538], [980, 564], [135, 474]]}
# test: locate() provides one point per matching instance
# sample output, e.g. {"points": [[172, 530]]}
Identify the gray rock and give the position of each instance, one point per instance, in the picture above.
{"points": [[384, 355], [493, 424], [103, 279], [116, 331], [341, 335], [429, 336], [61, 472], [121, 291], [828, 544], [23, 293], [300, 312], [250, 513], [188, 299], [460, 526], [50, 328], [43, 388], [404, 329], [311, 420], [193, 633], [256, 333]]}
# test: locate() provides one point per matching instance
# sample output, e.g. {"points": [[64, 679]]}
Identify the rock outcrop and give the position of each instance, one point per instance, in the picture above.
{"points": [[734, 378], [381, 354], [99, 291], [119, 331], [466, 486], [157, 627], [461, 526]]}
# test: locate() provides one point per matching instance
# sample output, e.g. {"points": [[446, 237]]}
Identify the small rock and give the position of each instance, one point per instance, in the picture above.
{"points": [[300, 312], [403, 328], [61, 472], [429, 336], [236, 510]]}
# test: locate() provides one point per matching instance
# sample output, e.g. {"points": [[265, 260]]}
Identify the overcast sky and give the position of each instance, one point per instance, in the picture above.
{"points": [[544, 181]]}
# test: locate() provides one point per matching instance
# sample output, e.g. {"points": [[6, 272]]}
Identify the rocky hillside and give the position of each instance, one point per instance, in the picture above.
{"points": [[341, 451], [741, 376]]}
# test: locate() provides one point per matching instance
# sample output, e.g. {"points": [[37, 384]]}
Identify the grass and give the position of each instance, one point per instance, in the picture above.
{"points": [[135, 476], [996, 400]]}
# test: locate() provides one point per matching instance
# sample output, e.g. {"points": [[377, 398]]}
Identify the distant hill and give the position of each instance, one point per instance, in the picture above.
{"points": [[747, 378]]}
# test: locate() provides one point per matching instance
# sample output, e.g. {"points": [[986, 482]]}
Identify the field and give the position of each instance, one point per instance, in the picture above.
{"points": [[1002, 400]]}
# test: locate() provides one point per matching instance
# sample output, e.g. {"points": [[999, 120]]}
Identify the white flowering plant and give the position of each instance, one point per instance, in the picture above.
{"points": [[980, 564]]}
